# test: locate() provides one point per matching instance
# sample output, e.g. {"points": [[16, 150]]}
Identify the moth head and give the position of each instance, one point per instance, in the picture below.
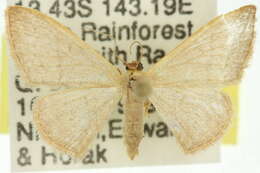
{"points": [[134, 66]]}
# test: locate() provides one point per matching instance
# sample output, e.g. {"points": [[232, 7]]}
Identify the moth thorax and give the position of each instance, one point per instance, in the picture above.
{"points": [[134, 66], [140, 85]]}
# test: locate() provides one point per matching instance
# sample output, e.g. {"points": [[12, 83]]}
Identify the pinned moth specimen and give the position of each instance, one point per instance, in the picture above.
{"points": [[184, 86]]}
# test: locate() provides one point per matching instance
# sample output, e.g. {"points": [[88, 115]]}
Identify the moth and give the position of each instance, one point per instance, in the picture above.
{"points": [[185, 86]]}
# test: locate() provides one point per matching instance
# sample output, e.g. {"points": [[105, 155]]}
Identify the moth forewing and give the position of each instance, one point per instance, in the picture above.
{"points": [[49, 54], [214, 56]]}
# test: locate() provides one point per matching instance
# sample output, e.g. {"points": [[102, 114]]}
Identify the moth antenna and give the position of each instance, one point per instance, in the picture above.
{"points": [[115, 43], [139, 44]]}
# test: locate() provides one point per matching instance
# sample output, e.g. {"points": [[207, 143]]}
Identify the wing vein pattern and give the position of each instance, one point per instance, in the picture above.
{"points": [[187, 82]]}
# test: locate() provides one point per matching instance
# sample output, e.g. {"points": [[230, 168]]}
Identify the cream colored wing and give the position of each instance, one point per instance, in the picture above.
{"points": [[187, 82], [213, 56], [197, 117], [48, 53], [70, 120]]}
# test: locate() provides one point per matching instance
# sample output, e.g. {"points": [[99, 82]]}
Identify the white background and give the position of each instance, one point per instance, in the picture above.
{"points": [[242, 158]]}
